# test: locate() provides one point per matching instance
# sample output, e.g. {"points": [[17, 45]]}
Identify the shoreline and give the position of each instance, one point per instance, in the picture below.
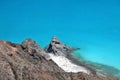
{"points": [[77, 62], [95, 68], [71, 64], [68, 66]]}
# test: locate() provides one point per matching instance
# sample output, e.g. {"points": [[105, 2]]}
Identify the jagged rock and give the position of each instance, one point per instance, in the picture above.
{"points": [[58, 48], [30, 46], [33, 48], [26, 62]]}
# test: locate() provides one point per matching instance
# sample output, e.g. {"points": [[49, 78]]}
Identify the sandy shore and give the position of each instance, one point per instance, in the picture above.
{"points": [[79, 63], [67, 65], [96, 68]]}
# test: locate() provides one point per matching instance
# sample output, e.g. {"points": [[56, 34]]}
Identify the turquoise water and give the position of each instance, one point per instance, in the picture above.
{"points": [[92, 25], [101, 51]]}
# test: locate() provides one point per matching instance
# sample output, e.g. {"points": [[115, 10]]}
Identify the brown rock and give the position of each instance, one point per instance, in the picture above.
{"points": [[27, 61]]}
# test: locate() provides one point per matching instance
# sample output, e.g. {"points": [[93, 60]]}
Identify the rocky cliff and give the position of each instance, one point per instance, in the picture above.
{"points": [[57, 48], [28, 61], [62, 52]]}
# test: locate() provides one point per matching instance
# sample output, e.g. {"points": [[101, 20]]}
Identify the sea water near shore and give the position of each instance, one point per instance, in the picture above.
{"points": [[101, 51], [99, 67], [105, 60]]}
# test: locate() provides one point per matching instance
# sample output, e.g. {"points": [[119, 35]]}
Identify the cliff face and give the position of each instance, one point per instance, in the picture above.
{"points": [[27, 61], [58, 48]]}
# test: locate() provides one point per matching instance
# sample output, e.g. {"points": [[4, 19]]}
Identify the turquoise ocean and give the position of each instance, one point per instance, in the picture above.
{"points": [[91, 25]]}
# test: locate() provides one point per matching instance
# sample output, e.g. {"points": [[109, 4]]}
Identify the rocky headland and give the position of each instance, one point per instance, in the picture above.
{"points": [[28, 61]]}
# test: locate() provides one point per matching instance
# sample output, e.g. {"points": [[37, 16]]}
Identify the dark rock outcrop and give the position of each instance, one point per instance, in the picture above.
{"points": [[58, 48], [27, 61]]}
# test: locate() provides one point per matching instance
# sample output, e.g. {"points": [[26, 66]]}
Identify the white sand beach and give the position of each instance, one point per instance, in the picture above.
{"points": [[67, 65]]}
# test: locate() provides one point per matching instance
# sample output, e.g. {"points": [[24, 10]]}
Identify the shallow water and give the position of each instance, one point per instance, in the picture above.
{"points": [[102, 52], [101, 67]]}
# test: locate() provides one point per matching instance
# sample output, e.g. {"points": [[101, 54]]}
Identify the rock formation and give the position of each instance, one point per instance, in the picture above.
{"points": [[27, 61], [58, 48]]}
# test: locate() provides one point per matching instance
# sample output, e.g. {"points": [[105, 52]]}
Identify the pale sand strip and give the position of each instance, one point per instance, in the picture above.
{"points": [[67, 65]]}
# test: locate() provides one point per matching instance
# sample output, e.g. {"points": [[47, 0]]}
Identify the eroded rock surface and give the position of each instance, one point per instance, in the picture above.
{"points": [[58, 48], [27, 61]]}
